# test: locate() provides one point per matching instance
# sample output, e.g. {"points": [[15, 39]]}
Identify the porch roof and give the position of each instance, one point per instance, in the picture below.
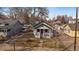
{"points": [[35, 26]]}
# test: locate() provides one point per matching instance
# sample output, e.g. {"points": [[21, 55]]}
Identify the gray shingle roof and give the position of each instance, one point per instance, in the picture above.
{"points": [[41, 24], [9, 22]]}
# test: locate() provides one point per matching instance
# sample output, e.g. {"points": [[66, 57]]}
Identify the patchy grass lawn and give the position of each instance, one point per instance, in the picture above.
{"points": [[34, 42], [52, 43], [27, 42]]}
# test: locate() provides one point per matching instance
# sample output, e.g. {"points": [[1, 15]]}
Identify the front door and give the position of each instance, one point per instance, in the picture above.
{"points": [[41, 33]]}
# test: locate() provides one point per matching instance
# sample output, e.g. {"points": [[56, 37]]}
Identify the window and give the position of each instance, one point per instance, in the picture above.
{"points": [[6, 24], [1, 30], [38, 30], [23, 28], [46, 30], [8, 30]]}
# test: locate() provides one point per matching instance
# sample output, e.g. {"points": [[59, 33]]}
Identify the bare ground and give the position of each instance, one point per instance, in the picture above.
{"points": [[64, 40]]}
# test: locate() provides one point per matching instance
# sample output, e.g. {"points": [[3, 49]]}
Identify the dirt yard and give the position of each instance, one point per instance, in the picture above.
{"points": [[24, 43]]}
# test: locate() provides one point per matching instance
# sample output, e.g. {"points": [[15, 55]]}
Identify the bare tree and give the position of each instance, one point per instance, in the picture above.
{"points": [[28, 14], [43, 12], [3, 13]]}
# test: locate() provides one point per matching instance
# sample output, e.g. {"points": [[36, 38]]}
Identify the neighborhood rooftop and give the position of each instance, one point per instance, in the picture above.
{"points": [[8, 23], [72, 26]]}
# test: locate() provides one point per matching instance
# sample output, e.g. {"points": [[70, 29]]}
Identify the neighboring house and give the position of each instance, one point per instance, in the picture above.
{"points": [[58, 27], [43, 30], [10, 27], [70, 30], [71, 20], [56, 22]]}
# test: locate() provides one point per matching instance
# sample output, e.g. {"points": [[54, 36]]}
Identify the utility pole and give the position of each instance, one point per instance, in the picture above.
{"points": [[76, 29]]}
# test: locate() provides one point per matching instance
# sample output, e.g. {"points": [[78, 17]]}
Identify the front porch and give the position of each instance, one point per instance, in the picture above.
{"points": [[44, 33]]}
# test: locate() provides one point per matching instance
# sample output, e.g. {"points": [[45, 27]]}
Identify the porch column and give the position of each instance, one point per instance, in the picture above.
{"points": [[5, 31]]}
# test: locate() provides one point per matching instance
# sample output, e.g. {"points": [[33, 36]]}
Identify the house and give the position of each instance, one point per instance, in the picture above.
{"points": [[69, 29], [56, 22], [58, 27], [71, 20], [10, 27], [43, 30]]}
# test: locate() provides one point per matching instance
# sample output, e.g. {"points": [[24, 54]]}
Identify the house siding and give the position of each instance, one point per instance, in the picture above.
{"points": [[3, 34], [36, 34], [45, 34], [71, 33], [14, 29]]}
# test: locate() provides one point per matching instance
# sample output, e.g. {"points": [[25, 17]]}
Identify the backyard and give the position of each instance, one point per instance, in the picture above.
{"points": [[25, 43]]}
